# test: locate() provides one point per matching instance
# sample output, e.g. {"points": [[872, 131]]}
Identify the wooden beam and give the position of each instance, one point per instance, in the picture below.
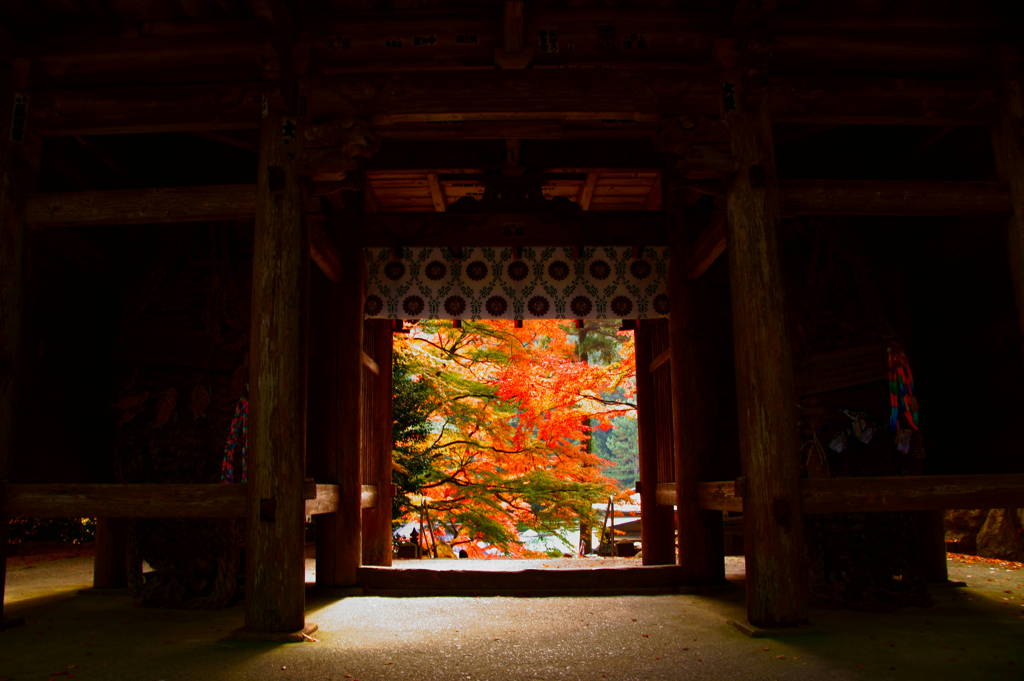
{"points": [[577, 582], [422, 40], [370, 364], [829, 371], [436, 193], [275, 568], [324, 501], [369, 496], [587, 190], [467, 38], [893, 197], [89, 51], [126, 500], [613, 104], [148, 109], [514, 229], [912, 493], [880, 100], [664, 357], [821, 52], [569, 96], [883, 494], [234, 202], [322, 249], [510, 113], [720, 496], [151, 500], [773, 526], [475, 130], [800, 197], [665, 494], [161, 205], [703, 253], [213, 203]]}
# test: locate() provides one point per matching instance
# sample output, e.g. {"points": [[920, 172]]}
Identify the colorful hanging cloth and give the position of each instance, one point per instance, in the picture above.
{"points": [[902, 403], [232, 468]]}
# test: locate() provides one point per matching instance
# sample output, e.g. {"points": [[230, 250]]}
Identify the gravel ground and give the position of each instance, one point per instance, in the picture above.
{"points": [[969, 633]]}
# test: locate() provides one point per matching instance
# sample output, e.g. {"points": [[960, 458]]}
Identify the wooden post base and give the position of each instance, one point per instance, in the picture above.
{"points": [[299, 636], [754, 631]]}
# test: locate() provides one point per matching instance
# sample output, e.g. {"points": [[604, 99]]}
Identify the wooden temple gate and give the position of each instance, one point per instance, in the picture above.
{"points": [[704, 91]]}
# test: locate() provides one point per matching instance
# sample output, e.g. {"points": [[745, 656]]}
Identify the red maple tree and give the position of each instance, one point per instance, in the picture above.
{"points": [[510, 414]]}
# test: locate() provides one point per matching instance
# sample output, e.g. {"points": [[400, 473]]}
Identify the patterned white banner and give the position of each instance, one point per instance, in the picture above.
{"points": [[600, 282]]}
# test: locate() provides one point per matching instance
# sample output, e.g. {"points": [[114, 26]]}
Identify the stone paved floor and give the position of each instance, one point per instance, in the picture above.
{"points": [[969, 633]]}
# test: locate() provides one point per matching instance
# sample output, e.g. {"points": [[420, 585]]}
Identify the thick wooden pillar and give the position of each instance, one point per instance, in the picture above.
{"points": [[18, 161], [1008, 139], [657, 524], [377, 542], [275, 570], [701, 547], [339, 535], [769, 445]]}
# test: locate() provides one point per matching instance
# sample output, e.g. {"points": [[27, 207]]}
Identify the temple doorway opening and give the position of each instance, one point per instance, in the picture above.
{"points": [[515, 439]]}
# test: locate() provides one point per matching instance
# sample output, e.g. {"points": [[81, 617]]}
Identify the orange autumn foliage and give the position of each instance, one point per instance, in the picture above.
{"points": [[508, 447]]}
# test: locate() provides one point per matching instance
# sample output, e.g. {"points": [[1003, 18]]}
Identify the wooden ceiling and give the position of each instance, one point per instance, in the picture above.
{"points": [[599, 189]]}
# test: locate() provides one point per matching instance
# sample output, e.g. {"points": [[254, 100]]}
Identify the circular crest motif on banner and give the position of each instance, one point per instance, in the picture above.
{"points": [[538, 306], [413, 305], [558, 270], [374, 305], [581, 306], [436, 270], [601, 270], [496, 306], [394, 270], [518, 270], [640, 269], [476, 270], [455, 305], [622, 306]]}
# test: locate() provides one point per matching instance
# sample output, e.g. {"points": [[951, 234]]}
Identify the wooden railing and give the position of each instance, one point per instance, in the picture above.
{"points": [[151, 500], [891, 493]]}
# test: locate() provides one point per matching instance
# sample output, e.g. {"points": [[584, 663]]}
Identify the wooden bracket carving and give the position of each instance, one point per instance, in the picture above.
{"points": [[333, 149], [700, 146]]}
